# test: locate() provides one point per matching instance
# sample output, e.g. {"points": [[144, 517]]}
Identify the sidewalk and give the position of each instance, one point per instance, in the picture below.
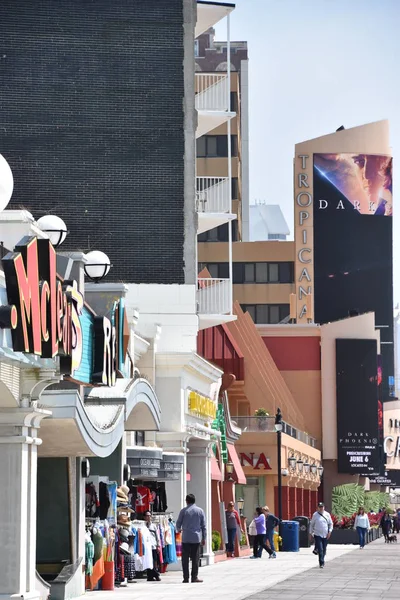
{"points": [[233, 579], [370, 574]]}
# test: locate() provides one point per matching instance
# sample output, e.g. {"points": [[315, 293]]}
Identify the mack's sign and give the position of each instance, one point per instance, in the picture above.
{"points": [[44, 315]]}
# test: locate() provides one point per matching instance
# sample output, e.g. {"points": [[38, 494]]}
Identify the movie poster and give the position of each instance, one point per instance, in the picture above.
{"points": [[353, 206]]}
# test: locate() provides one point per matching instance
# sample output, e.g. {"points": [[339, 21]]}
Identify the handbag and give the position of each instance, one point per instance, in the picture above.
{"points": [[252, 528]]}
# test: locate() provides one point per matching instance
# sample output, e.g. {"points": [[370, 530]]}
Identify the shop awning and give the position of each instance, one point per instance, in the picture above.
{"points": [[237, 467], [215, 470]]}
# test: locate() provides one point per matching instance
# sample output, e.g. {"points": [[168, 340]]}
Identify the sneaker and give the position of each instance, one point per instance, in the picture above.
{"points": [[185, 581], [315, 552], [273, 555], [321, 566], [253, 557], [197, 580]]}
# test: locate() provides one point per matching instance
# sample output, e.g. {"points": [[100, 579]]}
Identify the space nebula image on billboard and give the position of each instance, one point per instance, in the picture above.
{"points": [[353, 205]]}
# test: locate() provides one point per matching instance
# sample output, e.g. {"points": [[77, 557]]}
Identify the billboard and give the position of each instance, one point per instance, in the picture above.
{"points": [[352, 218], [357, 407]]}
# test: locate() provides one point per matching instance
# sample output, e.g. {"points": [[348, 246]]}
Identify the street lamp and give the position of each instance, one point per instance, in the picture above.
{"points": [[6, 183], [300, 466], [292, 461], [307, 467], [55, 228], [229, 470], [320, 470], [314, 469], [278, 429], [97, 265], [240, 504]]}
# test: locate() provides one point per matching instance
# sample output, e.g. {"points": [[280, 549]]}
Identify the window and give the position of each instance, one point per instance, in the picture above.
{"points": [[234, 102], [216, 270], [139, 438], [249, 273], [267, 314], [273, 314], [276, 236], [212, 146], [261, 313], [286, 272], [273, 269], [261, 272], [196, 48], [235, 188]]}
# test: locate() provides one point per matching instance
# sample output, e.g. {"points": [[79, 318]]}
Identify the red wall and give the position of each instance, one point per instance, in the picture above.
{"points": [[295, 353]]}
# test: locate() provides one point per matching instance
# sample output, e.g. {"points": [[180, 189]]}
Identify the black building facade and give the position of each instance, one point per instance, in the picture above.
{"points": [[97, 124]]}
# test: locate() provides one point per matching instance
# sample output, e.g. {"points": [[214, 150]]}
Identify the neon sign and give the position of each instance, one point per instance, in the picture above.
{"points": [[44, 311]]}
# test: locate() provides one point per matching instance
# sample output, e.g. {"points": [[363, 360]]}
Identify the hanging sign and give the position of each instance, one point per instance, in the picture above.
{"points": [[47, 317], [44, 311]]}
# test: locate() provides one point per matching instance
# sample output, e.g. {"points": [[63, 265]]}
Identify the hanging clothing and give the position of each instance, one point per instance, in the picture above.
{"points": [[89, 555], [112, 510], [143, 499], [104, 500], [92, 501]]}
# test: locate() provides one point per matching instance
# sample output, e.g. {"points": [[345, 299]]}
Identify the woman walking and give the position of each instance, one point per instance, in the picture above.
{"points": [[259, 540], [361, 524], [386, 524]]}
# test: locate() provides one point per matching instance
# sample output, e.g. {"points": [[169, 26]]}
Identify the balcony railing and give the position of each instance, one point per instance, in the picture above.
{"points": [[267, 424], [214, 296], [212, 92], [213, 194]]}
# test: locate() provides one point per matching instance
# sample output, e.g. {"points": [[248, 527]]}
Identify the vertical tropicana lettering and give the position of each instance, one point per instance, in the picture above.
{"points": [[304, 272]]}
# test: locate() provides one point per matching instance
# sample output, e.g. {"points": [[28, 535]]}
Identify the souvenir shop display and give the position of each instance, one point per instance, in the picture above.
{"points": [[122, 547], [147, 496]]}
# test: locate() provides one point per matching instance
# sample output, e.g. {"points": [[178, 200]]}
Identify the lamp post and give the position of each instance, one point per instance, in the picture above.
{"points": [[229, 470], [97, 266], [278, 429], [54, 227], [240, 504]]}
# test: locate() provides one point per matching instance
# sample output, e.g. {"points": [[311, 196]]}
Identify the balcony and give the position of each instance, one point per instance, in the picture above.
{"points": [[214, 302], [213, 202], [267, 425], [212, 101]]}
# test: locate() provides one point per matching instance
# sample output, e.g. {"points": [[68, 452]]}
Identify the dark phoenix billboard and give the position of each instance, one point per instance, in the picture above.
{"points": [[353, 206]]}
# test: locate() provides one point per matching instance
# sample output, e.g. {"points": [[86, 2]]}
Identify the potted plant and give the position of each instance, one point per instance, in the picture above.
{"points": [[262, 415]]}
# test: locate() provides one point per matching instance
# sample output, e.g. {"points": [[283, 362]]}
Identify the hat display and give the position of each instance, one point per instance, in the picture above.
{"points": [[124, 489], [124, 548]]}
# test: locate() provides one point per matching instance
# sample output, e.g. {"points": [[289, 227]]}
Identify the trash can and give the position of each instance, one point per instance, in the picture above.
{"points": [[290, 536], [304, 535]]}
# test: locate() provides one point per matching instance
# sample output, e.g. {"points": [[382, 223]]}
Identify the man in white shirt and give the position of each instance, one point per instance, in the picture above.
{"points": [[320, 528]]}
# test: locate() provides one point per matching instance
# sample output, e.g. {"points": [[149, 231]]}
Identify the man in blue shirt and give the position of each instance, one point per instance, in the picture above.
{"points": [[192, 523]]}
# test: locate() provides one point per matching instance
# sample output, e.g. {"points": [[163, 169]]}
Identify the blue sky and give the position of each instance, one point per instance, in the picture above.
{"points": [[315, 65]]}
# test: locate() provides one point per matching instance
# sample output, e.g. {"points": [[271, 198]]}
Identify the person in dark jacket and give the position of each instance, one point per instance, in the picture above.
{"points": [[386, 524], [271, 521]]}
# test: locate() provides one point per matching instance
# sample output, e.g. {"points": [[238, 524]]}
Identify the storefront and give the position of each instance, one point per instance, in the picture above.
{"points": [[301, 472], [85, 411]]}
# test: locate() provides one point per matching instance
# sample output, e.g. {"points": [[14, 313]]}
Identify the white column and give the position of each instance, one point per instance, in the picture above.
{"points": [[199, 467], [18, 477]]}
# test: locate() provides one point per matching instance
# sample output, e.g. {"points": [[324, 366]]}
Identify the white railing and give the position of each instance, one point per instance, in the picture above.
{"points": [[214, 296], [212, 91], [213, 194]]}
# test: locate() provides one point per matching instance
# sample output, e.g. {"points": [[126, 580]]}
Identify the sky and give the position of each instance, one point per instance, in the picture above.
{"points": [[315, 65]]}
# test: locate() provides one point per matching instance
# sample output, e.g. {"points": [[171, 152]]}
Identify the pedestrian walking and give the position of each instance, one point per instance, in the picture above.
{"points": [[321, 528], [386, 524], [154, 573], [233, 525], [192, 523], [271, 521], [259, 540], [361, 524]]}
